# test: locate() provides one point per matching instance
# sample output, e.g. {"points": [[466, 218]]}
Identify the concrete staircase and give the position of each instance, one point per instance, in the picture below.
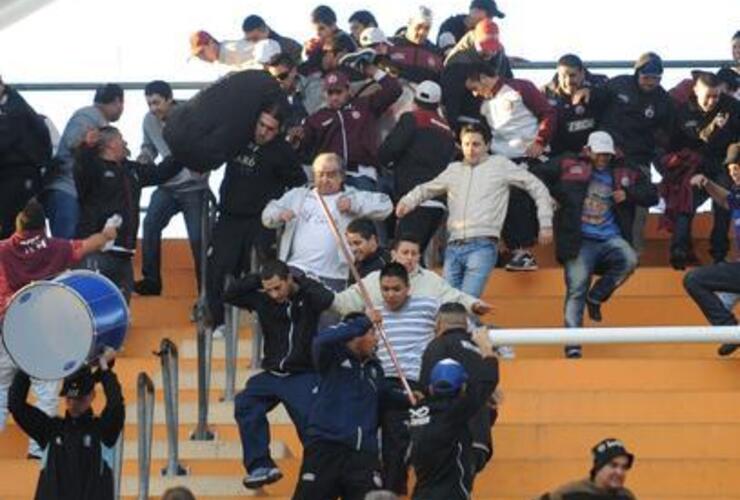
{"points": [[677, 407]]}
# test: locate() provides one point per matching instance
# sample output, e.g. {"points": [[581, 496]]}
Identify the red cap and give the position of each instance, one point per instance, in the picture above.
{"points": [[336, 80], [486, 36], [200, 40]]}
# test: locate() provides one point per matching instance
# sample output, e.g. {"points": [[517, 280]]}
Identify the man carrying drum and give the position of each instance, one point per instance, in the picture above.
{"points": [[30, 255]]}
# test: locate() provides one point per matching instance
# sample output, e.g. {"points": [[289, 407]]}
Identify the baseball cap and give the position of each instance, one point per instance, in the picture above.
{"points": [[489, 6], [429, 92], [371, 36], [79, 384], [733, 154], [199, 40], [265, 50], [601, 142], [606, 450], [336, 80], [447, 377], [486, 36], [649, 64]]}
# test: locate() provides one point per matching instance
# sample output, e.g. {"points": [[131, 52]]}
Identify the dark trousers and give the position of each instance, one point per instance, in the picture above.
{"points": [[422, 222], [333, 470], [262, 393], [14, 194], [165, 204], [230, 254], [395, 441], [521, 225], [118, 268], [704, 282]]}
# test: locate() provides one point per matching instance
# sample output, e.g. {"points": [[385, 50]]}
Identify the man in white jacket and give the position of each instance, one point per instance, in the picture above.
{"points": [[307, 242], [477, 190]]}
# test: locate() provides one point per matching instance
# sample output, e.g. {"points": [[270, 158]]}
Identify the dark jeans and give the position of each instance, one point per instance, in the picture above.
{"points": [[231, 253], [521, 225], [14, 194], [165, 204], [333, 470], [396, 439], [704, 282], [264, 392], [422, 222], [63, 211], [116, 267]]}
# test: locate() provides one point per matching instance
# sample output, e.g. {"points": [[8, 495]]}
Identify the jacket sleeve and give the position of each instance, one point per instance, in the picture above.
{"points": [[390, 91], [87, 171], [150, 175], [147, 144], [114, 413], [349, 300], [477, 393], [518, 177], [448, 293], [536, 102], [423, 192], [373, 205], [328, 344], [289, 169], [321, 297], [245, 292], [436, 350], [398, 141], [643, 192], [33, 421], [273, 209]]}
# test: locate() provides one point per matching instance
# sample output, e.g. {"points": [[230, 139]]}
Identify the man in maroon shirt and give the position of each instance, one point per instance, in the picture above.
{"points": [[30, 255]]}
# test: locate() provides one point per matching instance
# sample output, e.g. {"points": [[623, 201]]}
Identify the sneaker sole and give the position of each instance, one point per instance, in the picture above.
{"points": [[517, 269], [254, 485]]}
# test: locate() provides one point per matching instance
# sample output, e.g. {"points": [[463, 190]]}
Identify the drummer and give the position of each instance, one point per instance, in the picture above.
{"points": [[30, 255]]}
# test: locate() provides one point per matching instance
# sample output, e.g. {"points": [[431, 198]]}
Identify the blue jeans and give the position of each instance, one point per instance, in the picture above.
{"points": [[614, 259], [63, 211], [165, 204], [713, 287], [263, 393], [467, 265]]}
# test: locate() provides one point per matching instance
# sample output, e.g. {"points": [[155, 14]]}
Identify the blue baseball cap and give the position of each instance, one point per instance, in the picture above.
{"points": [[447, 377]]}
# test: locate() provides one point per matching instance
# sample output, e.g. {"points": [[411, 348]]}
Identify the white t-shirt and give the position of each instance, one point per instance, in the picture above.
{"points": [[314, 249]]}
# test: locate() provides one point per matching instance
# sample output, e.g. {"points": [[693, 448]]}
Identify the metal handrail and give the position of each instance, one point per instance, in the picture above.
{"points": [[169, 359], [118, 465], [231, 344], [145, 414], [257, 337], [515, 64]]}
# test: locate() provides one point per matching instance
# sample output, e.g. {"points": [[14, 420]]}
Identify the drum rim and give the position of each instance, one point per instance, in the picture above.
{"points": [[52, 283], [97, 274]]}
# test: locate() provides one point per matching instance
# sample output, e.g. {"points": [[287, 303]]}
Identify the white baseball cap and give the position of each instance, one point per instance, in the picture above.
{"points": [[600, 142], [371, 36], [265, 50], [429, 92]]}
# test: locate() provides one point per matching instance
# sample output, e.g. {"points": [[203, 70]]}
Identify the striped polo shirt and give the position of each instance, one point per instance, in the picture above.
{"points": [[409, 331]]}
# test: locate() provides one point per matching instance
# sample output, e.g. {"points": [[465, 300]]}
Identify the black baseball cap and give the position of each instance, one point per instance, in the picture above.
{"points": [[80, 383], [489, 6]]}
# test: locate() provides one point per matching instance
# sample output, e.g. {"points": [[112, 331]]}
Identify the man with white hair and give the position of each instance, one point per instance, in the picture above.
{"points": [[597, 196], [307, 242], [417, 58]]}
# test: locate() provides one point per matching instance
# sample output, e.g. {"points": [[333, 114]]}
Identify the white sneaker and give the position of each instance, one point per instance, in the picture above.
{"points": [[219, 333], [506, 352]]}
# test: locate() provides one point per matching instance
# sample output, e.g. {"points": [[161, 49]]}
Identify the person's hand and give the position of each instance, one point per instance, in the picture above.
{"points": [[545, 236], [402, 210], [286, 215], [92, 136], [581, 96], [110, 233], [534, 150], [699, 181], [480, 308], [418, 395], [375, 316], [482, 339], [344, 204], [619, 195], [145, 158], [312, 45], [105, 361], [294, 136]]}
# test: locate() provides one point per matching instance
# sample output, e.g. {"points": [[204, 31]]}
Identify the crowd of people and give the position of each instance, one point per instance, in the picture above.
{"points": [[381, 144]]}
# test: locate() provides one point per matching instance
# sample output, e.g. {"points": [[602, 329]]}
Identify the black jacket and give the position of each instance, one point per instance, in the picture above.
{"points": [[707, 133], [568, 178], [257, 175], [345, 409], [576, 122], [374, 262], [25, 145], [75, 466], [416, 62], [587, 490], [418, 148], [454, 26], [288, 328], [441, 444], [634, 118], [106, 188]]}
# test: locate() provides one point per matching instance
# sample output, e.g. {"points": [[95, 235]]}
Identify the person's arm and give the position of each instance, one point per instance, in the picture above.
{"points": [[398, 141], [423, 192], [350, 300], [717, 192], [289, 169], [151, 175], [447, 293], [97, 241], [114, 413], [328, 343], [276, 212], [390, 91], [436, 350], [518, 177], [540, 108], [245, 292], [642, 192], [373, 205], [320, 297], [87, 168], [148, 151], [33, 421]]}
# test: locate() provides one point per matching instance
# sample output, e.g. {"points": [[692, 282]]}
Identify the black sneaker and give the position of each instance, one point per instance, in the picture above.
{"points": [[573, 352], [679, 259], [148, 287], [358, 60], [262, 476], [727, 349], [594, 310], [522, 260]]}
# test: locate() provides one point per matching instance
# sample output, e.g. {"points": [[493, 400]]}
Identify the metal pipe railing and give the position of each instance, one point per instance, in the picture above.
{"points": [[257, 337], [118, 464], [625, 335], [231, 345], [169, 359], [145, 414]]}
